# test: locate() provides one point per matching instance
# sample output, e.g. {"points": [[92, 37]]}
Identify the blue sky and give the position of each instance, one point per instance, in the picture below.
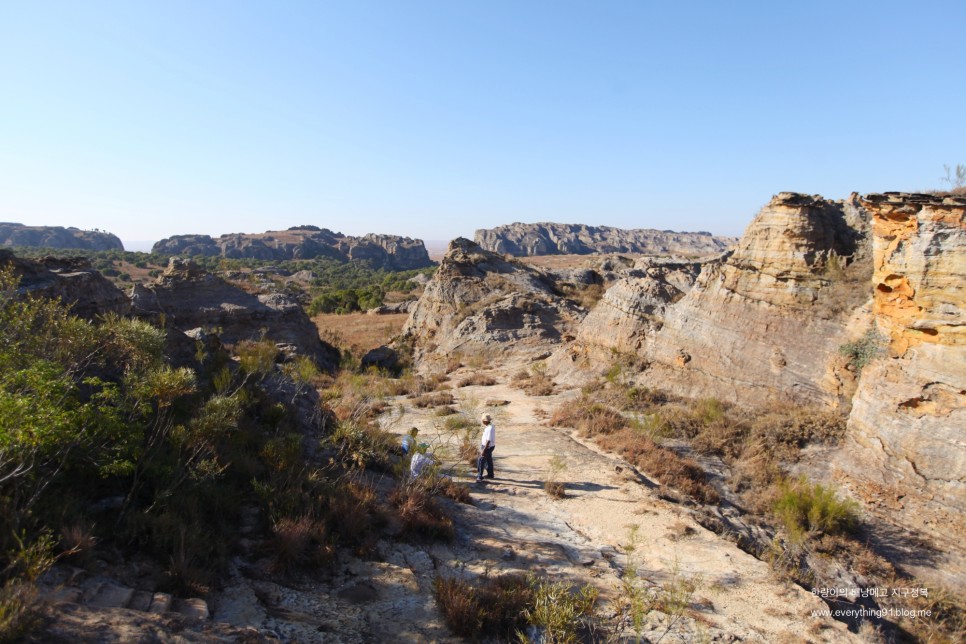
{"points": [[434, 118]]}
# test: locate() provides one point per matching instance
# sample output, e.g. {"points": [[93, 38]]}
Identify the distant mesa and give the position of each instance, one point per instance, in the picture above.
{"points": [[18, 235], [523, 240], [303, 242]]}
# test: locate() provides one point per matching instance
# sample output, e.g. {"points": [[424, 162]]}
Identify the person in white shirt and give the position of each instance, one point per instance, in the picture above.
{"points": [[487, 444]]}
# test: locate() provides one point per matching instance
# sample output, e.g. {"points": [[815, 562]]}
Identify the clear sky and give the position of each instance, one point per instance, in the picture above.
{"points": [[432, 118]]}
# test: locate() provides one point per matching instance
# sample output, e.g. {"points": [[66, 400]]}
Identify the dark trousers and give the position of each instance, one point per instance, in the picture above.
{"points": [[485, 459]]}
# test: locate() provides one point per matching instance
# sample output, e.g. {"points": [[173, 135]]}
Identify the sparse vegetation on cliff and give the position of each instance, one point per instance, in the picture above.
{"points": [[864, 350]]}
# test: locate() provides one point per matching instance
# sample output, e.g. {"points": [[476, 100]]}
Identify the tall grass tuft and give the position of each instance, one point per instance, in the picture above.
{"points": [[805, 510]]}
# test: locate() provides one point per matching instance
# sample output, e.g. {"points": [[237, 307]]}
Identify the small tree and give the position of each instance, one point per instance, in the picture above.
{"points": [[955, 182]]}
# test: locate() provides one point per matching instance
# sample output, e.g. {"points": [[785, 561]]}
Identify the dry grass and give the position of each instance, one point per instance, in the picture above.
{"points": [[455, 491], [539, 384], [298, 543], [555, 489], [587, 296], [355, 516], [435, 399], [477, 379], [77, 541], [588, 417], [359, 332], [671, 469], [494, 608], [420, 513], [612, 431]]}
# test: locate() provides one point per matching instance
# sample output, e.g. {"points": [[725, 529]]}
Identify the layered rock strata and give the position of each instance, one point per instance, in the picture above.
{"points": [[479, 302], [303, 242], [630, 311], [577, 239], [190, 298], [12, 235], [905, 450], [765, 322]]}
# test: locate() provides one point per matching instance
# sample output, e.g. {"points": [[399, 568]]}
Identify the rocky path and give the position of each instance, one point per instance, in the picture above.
{"points": [[515, 525]]}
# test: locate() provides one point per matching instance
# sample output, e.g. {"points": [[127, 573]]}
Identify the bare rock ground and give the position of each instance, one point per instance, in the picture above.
{"points": [[516, 526]]}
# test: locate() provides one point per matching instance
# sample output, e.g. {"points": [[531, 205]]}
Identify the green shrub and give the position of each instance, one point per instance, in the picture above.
{"points": [[864, 350], [805, 510], [558, 609]]}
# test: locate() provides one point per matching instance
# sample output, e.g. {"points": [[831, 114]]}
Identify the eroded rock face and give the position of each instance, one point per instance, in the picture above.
{"points": [[905, 450], [303, 242], [190, 298], [764, 323], [479, 302], [630, 311], [71, 280], [56, 237], [577, 239]]}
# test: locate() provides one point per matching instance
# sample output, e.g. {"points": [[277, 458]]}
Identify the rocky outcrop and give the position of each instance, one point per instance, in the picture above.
{"points": [[13, 235], [765, 322], [630, 311], [303, 242], [905, 450], [479, 302], [577, 239], [189, 298], [71, 280]]}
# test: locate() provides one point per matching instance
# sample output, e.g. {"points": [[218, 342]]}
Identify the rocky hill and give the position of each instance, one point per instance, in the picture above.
{"points": [[195, 301], [303, 242], [522, 240], [73, 281], [13, 235]]}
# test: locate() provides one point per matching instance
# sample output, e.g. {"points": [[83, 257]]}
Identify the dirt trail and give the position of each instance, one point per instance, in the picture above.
{"points": [[516, 525]]}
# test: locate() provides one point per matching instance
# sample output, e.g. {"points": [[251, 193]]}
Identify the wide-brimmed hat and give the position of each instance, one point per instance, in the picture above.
{"points": [[487, 419]]}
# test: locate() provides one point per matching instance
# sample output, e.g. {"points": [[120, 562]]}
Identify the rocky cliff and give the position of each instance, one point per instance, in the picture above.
{"points": [[73, 281], [478, 302], [12, 235], [303, 242], [905, 450], [630, 311], [189, 298], [765, 322], [577, 239]]}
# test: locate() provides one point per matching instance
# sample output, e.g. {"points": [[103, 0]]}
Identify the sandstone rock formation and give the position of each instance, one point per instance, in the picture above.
{"points": [[577, 239], [303, 242], [189, 298], [765, 322], [56, 237], [631, 310], [905, 449], [73, 281], [479, 302]]}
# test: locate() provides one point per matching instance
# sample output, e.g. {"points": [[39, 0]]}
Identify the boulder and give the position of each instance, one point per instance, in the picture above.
{"points": [[71, 280], [383, 358]]}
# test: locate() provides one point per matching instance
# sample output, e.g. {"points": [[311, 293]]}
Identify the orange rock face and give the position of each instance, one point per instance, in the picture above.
{"points": [[905, 450]]}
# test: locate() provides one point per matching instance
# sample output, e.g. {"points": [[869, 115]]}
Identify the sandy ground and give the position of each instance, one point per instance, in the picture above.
{"points": [[516, 525]]}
